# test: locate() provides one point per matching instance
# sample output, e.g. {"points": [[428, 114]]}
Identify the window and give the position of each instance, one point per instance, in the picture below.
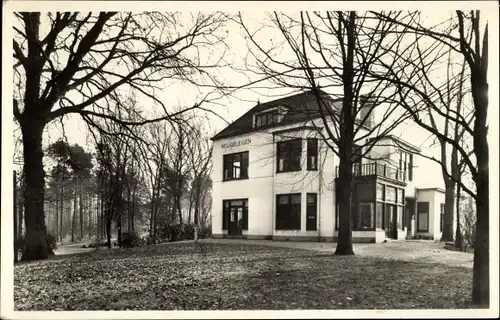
{"points": [[390, 194], [422, 216], [410, 167], [266, 119], [311, 211], [236, 166], [380, 215], [312, 154], [289, 154], [441, 224], [288, 211], [380, 191], [401, 197], [364, 217], [240, 207]]}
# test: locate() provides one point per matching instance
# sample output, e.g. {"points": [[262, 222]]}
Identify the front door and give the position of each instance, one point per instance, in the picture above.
{"points": [[390, 221], [235, 221]]}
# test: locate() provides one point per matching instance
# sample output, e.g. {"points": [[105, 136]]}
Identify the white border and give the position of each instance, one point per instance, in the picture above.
{"points": [[489, 10]]}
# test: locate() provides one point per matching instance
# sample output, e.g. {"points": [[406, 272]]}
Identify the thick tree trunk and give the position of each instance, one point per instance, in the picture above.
{"points": [[16, 236], [481, 280], [108, 232], [344, 193], [347, 121], [133, 209], [448, 211], [459, 244], [36, 247]]}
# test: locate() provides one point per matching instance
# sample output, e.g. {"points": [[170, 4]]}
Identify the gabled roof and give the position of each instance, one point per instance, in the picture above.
{"points": [[301, 107], [399, 142]]}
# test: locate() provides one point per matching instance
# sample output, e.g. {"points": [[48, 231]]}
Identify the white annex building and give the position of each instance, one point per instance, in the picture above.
{"points": [[274, 178]]}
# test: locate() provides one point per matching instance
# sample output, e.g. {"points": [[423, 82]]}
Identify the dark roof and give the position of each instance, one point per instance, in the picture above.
{"points": [[301, 107]]}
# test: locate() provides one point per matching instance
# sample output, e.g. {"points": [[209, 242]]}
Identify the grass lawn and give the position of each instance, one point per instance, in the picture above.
{"points": [[222, 276]]}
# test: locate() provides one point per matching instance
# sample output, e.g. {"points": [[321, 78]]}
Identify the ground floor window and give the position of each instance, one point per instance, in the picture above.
{"points": [[235, 214], [288, 211], [364, 217], [400, 218], [380, 215], [312, 208], [422, 216]]}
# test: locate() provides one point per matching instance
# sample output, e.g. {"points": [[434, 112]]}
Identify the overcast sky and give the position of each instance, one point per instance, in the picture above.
{"points": [[234, 106]]}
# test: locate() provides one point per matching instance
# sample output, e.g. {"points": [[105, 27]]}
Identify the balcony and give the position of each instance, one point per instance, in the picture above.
{"points": [[377, 169]]}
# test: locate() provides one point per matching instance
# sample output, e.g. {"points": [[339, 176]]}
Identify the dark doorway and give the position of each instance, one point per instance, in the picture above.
{"points": [[390, 221], [409, 212], [236, 215], [235, 221]]}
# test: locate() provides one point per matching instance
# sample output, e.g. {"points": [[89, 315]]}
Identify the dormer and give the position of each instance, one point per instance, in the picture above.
{"points": [[269, 117]]}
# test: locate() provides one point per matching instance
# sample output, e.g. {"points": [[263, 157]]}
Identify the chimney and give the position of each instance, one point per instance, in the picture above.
{"points": [[366, 111]]}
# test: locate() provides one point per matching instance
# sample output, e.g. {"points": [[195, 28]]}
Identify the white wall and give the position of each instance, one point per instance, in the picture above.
{"points": [[435, 198], [389, 151], [263, 183]]}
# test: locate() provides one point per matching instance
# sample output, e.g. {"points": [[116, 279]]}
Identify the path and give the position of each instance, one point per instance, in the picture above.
{"points": [[420, 251]]}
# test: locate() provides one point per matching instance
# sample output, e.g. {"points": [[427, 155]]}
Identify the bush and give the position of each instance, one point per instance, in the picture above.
{"points": [[51, 241], [181, 231], [205, 232], [131, 239]]}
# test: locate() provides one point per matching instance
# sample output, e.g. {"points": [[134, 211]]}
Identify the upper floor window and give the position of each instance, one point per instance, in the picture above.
{"points": [[289, 155], [406, 164], [312, 154], [236, 166], [266, 119]]}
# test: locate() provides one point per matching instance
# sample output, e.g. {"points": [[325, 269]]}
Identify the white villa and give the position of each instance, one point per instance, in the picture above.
{"points": [[274, 177]]}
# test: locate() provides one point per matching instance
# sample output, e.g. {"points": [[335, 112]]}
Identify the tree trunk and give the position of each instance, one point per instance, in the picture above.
{"points": [[16, 236], [20, 208], [61, 213], [73, 220], [36, 247], [89, 215], [81, 209], [108, 231], [347, 121], [459, 244], [344, 194], [481, 280], [133, 208], [448, 211]]}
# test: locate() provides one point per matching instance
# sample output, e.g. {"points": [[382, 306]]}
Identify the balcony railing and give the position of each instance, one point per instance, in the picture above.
{"points": [[377, 169]]}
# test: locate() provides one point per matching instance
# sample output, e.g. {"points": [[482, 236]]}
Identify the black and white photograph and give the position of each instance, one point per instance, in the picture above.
{"points": [[187, 159]]}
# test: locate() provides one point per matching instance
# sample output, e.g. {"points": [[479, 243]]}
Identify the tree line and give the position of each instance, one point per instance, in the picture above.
{"points": [[390, 57]]}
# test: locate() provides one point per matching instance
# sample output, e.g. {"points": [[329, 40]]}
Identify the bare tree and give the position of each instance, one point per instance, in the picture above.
{"points": [[464, 37], [199, 156], [452, 92], [340, 50], [79, 67]]}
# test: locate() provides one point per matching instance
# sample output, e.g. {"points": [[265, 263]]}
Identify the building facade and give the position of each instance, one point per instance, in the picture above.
{"points": [[274, 177]]}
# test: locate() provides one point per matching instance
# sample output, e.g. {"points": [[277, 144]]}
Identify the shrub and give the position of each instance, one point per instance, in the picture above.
{"points": [[205, 232], [130, 239], [181, 231], [51, 241]]}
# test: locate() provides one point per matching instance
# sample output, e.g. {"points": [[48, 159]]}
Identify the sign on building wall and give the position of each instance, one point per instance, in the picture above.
{"points": [[236, 143]]}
